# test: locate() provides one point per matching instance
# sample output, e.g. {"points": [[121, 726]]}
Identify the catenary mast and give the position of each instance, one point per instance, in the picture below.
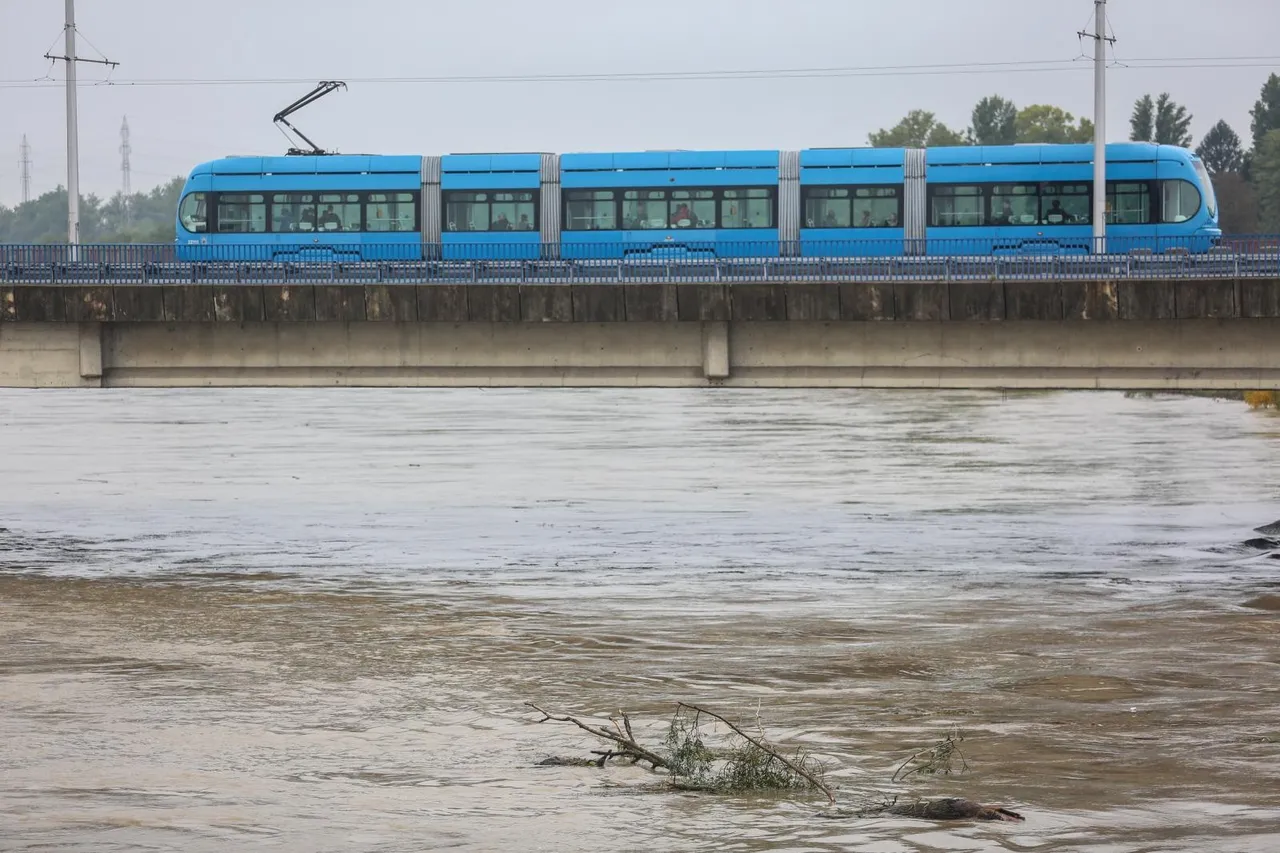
{"points": [[1101, 40]]}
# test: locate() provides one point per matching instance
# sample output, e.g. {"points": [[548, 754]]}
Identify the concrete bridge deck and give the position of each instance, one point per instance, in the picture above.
{"points": [[1186, 333]]}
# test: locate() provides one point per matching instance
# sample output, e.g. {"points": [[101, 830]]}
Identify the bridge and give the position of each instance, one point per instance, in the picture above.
{"points": [[1117, 321]]}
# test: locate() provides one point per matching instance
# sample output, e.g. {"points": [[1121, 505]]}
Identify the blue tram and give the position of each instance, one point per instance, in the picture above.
{"points": [[301, 208], [853, 202]]}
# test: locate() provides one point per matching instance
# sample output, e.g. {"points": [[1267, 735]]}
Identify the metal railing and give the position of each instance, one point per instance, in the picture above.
{"points": [[629, 262]]}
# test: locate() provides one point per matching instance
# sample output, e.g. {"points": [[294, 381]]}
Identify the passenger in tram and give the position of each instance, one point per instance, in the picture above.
{"points": [[683, 217], [892, 221], [1006, 213], [865, 222], [1056, 215], [285, 222], [502, 223], [308, 222], [829, 221], [329, 220], [524, 224]]}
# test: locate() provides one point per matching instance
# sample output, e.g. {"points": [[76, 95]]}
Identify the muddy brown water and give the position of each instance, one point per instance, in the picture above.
{"points": [[309, 620]]}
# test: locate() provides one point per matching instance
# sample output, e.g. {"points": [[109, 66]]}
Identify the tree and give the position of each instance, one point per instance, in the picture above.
{"points": [[1163, 121], [1266, 179], [149, 219], [1237, 203], [942, 136], [995, 122], [1266, 112], [1052, 125], [1220, 150], [1173, 123], [919, 129], [1142, 124]]}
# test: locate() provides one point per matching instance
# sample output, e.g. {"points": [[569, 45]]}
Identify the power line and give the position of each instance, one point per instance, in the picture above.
{"points": [[1013, 67], [587, 77]]}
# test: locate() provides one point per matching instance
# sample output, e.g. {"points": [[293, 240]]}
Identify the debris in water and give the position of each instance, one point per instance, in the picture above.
{"points": [[953, 808], [697, 756]]}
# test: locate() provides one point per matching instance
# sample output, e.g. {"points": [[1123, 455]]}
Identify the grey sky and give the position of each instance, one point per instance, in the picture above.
{"points": [[175, 127]]}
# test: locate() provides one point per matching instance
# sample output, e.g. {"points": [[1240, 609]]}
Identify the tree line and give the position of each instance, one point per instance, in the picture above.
{"points": [[143, 217], [1247, 180]]}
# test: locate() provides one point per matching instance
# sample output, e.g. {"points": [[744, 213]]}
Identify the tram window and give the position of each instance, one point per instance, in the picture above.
{"points": [[747, 208], [1206, 184], [644, 209], [193, 212], [827, 207], [957, 206], [466, 211], [513, 212], [693, 209], [1181, 201], [1129, 203], [292, 212], [1015, 204], [590, 210], [391, 212], [338, 212], [1065, 204], [242, 213], [875, 207]]}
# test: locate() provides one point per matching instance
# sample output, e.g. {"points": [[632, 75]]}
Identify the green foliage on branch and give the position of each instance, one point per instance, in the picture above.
{"points": [[742, 764]]}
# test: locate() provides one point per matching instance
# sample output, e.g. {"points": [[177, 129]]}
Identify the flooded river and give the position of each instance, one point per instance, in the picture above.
{"points": [[309, 619]]}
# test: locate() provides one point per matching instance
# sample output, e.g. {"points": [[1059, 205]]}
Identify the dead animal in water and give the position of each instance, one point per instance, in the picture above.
{"points": [[557, 761], [953, 808]]}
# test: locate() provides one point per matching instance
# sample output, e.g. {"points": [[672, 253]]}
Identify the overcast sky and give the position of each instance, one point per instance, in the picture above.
{"points": [[174, 127]]}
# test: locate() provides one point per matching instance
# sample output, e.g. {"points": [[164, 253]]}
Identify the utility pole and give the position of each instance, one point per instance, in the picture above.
{"points": [[73, 132], [126, 187], [24, 152], [1101, 41]]}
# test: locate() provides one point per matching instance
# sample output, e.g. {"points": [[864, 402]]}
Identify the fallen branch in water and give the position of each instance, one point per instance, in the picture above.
{"points": [[938, 758], [630, 749], [753, 765], [749, 763]]}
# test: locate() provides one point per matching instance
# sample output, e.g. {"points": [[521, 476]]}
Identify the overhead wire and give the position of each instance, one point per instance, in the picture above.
{"points": [[1010, 67]]}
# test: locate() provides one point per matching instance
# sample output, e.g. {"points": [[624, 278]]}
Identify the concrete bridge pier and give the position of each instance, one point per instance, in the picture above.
{"points": [[715, 350], [91, 346]]}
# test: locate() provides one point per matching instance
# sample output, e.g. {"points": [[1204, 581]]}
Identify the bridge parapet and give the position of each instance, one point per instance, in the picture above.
{"points": [[921, 301]]}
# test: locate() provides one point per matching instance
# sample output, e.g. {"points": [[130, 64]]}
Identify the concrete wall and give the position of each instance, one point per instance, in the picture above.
{"points": [[1207, 354], [364, 353], [1156, 335], [48, 355]]}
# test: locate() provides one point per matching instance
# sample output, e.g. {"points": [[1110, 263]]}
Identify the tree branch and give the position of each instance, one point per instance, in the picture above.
{"points": [[791, 765], [629, 746]]}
